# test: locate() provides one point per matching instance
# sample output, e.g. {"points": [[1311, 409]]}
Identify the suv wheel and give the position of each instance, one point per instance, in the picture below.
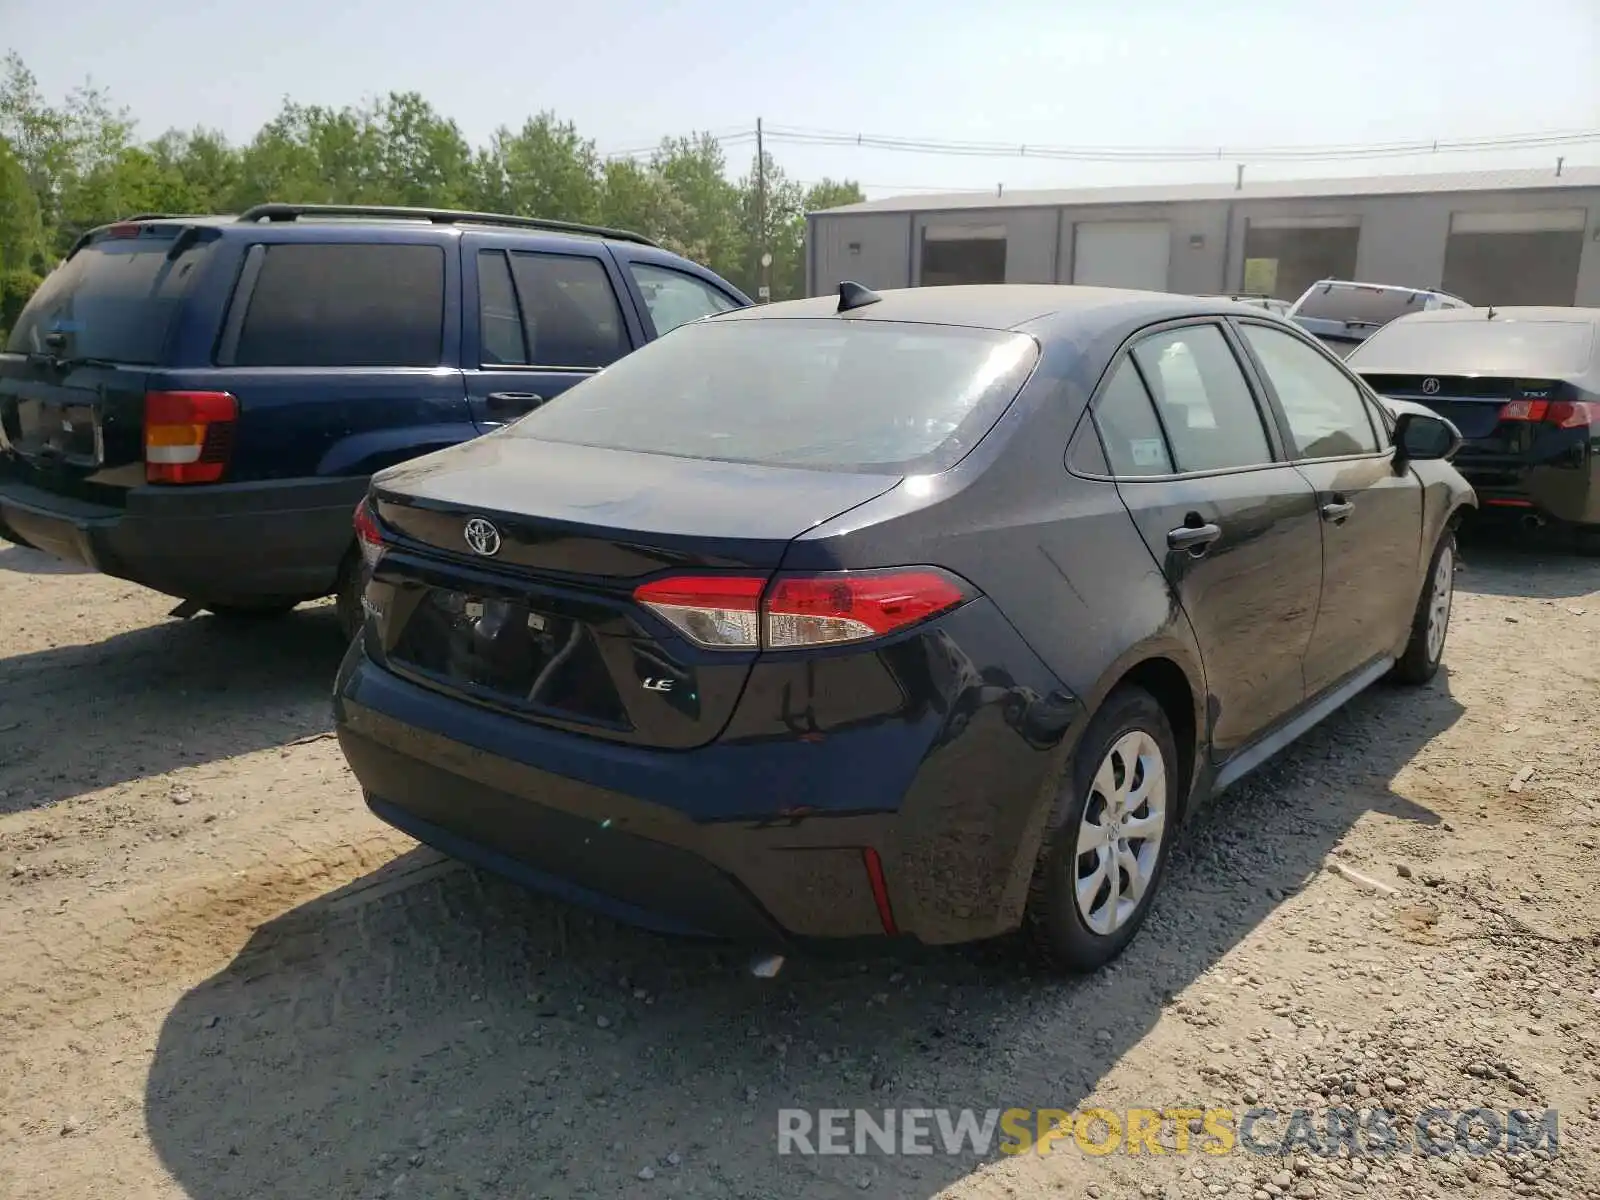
{"points": [[1431, 623], [1105, 849]]}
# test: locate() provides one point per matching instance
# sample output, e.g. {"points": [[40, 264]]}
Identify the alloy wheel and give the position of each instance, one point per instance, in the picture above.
{"points": [[1119, 836], [1444, 579]]}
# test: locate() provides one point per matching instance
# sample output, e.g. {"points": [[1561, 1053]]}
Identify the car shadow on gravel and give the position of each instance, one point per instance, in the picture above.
{"points": [[78, 718], [1507, 561], [27, 561], [433, 1031]]}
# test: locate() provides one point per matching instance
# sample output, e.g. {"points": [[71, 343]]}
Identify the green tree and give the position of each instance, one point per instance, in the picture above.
{"points": [[543, 169]]}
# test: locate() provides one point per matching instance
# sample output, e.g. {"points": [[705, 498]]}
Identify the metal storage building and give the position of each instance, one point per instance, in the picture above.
{"points": [[1503, 237]]}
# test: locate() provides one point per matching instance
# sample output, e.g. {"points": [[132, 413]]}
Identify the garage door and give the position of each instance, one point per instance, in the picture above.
{"points": [[1515, 258], [1283, 256], [1129, 254]]}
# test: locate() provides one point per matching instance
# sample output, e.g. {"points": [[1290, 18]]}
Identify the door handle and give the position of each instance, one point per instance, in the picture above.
{"points": [[1337, 510], [1193, 538], [513, 402]]}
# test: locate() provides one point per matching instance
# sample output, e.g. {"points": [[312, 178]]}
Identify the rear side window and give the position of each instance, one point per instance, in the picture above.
{"points": [[674, 298], [499, 320], [1129, 427], [1327, 416], [822, 394], [328, 305], [114, 299], [569, 310], [1210, 416]]}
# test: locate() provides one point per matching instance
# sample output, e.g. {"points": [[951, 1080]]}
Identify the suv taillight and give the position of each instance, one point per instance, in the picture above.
{"points": [[188, 436], [742, 612]]}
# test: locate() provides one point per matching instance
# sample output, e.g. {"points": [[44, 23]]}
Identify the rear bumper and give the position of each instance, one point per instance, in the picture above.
{"points": [[609, 826], [225, 543], [1506, 486]]}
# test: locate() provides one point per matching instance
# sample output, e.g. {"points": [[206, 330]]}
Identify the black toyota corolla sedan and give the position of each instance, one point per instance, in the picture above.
{"points": [[928, 613]]}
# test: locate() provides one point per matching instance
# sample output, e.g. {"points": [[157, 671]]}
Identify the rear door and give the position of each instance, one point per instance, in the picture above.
{"points": [[543, 316], [1371, 514], [1233, 527], [76, 366]]}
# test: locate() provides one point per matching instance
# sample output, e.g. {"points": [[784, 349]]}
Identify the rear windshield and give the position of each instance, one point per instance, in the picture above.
{"points": [[822, 394], [114, 299], [1534, 349], [1368, 305]]}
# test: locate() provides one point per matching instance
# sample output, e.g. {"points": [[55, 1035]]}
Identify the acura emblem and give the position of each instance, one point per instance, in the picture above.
{"points": [[481, 537], [1430, 386]]}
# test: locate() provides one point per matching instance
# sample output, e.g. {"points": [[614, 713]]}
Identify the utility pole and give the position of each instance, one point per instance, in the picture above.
{"points": [[763, 280]]}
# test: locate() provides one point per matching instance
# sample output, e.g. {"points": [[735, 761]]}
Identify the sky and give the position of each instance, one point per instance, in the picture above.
{"points": [[1229, 74]]}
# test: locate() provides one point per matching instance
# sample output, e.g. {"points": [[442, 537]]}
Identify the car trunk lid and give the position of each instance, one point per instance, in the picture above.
{"points": [[534, 613], [1497, 415]]}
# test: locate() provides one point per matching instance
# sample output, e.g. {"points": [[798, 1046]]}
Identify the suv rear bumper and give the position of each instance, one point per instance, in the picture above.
{"points": [[239, 543]]}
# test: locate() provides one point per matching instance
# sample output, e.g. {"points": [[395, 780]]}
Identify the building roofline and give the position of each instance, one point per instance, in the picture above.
{"points": [[1537, 179]]}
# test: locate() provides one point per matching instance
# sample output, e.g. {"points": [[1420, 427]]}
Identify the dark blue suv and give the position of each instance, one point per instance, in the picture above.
{"points": [[196, 403]]}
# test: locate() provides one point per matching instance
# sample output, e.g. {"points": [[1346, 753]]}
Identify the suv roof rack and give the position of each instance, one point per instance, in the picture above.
{"points": [[437, 216]]}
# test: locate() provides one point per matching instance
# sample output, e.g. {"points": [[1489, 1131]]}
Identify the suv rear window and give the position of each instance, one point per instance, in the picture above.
{"points": [[114, 299], [1366, 304], [318, 304], [1535, 349], [795, 392]]}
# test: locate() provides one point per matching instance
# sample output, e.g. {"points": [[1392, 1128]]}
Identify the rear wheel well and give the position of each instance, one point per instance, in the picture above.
{"points": [[1165, 680]]}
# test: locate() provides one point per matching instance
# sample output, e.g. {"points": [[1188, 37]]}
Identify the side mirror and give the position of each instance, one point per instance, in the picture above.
{"points": [[1424, 437]]}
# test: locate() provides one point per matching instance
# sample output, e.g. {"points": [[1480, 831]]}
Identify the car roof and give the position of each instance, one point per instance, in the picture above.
{"points": [[1001, 306], [399, 220], [1519, 312]]}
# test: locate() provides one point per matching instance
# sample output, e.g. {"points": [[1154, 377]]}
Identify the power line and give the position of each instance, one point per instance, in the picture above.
{"points": [[1170, 154], [1334, 152]]}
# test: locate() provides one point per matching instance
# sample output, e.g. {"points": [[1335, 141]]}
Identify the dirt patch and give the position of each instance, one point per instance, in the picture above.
{"points": [[220, 977]]}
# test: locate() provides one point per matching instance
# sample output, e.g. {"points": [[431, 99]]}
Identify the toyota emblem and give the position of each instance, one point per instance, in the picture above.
{"points": [[481, 537], [1430, 386]]}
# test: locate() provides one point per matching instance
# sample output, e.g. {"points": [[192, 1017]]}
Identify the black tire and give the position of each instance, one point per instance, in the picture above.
{"points": [[347, 596], [1053, 923], [1419, 662], [252, 612]]}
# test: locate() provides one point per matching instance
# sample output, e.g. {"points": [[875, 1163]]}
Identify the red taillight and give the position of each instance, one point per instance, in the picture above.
{"points": [[368, 535], [1573, 414], [728, 612], [1563, 414], [818, 610], [188, 436], [124, 229], [1524, 410]]}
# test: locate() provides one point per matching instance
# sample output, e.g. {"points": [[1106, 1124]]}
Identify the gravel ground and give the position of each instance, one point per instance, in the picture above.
{"points": [[219, 977]]}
